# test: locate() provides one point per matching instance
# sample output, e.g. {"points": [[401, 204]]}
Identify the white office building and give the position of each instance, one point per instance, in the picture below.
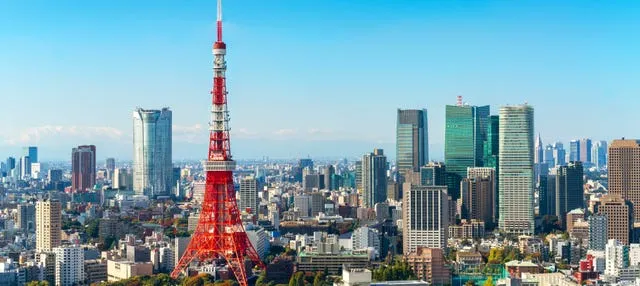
{"points": [[365, 237], [425, 217], [516, 170], [69, 265]]}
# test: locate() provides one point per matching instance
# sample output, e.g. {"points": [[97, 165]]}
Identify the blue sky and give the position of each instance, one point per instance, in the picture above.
{"points": [[319, 78]]}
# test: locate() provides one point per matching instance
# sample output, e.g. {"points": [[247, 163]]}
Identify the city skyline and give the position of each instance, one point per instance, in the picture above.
{"points": [[163, 59], [485, 204]]}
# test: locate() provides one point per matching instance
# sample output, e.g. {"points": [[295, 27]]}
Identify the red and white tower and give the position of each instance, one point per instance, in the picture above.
{"points": [[219, 235]]}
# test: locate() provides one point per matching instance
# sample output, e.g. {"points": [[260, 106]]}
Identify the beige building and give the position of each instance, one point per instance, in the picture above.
{"points": [[48, 225], [624, 171], [619, 217], [124, 269], [429, 265], [572, 217]]}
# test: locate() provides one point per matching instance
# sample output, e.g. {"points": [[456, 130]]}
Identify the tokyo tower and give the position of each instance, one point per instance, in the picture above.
{"points": [[219, 235]]}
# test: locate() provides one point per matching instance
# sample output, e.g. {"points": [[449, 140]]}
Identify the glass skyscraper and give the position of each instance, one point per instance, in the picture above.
{"points": [[152, 166], [599, 154], [465, 136], [491, 151], [559, 154], [31, 152], [516, 170], [574, 150], [412, 140], [585, 150], [374, 178]]}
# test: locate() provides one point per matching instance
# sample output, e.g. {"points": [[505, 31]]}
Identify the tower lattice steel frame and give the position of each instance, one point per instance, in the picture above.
{"points": [[219, 234]]}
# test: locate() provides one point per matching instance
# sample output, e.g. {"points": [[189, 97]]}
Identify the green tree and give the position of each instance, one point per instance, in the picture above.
{"points": [[297, 279], [496, 255], [400, 270], [262, 279], [38, 283], [318, 280], [92, 228]]}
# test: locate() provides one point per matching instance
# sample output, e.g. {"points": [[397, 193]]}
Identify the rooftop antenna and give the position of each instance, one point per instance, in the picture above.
{"points": [[459, 103]]}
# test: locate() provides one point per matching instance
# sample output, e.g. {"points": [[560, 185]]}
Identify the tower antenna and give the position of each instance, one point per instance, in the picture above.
{"points": [[219, 21]]}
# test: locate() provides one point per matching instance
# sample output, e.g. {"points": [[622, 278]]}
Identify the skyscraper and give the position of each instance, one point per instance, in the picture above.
{"points": [[491, 152], [599, 154], [548, 156], [425, 216], [624, 172], [248, 195], [25, 167], [31, 152], [152, 166], [585, 150], [374, 178], [481, 183], [329, 173], [11, 164], [48, 225], [546, 186], [569, 189], [120, 179], [83, 168], [110, 165], [516, 169], [559, 154], [619, 215], [574, 150], [539, 151], [412, 140], [465, 135]]}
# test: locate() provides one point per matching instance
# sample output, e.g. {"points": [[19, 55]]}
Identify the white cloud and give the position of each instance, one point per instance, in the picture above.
{"points": [[187, 129], [34, 135], [318, 131], [284, 132], [243, 133], [189, 134]]}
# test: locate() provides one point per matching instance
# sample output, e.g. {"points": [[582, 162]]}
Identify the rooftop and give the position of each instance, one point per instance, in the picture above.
{"points": [[516, 263], [400, 282], [577, 211], [342, 253]]}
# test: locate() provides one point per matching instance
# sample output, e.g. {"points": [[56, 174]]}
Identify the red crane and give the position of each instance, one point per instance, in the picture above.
{"points": [[220, 234]]}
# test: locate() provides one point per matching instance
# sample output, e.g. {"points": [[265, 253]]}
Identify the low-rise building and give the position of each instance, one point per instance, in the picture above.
{"points": [[332, 262], [124, 269], [515, 268], [95, 270], [468, 229], [429, 265]]}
